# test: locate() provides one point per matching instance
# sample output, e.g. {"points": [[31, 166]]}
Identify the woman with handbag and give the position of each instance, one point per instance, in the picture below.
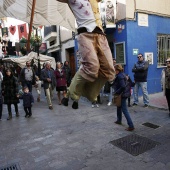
{"points": [[121, 93]]}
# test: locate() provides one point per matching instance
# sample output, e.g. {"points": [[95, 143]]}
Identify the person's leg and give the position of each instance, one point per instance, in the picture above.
{"points": [[48, 97], [76, 87], [119, 115], [145, 92], [29, 84], [92, 89], [26, 111], [135, 94], [16, 109], [38, 92], [9, 112], [59, 98], [64, 94], [167, 94], [1, 106], [129, 101], [126, 113], [110, 96], [106, 69], [29, 111], [96, 57]]}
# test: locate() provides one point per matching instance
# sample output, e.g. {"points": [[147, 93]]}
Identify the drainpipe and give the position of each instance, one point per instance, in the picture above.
{"points": [[135, 13], [60, 45]]}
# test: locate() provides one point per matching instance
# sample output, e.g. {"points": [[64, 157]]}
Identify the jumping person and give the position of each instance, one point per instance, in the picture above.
{"points": [[96, 58]]}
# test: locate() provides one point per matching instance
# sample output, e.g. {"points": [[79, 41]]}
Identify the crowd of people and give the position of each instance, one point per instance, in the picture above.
{"points": [[19, 86]]}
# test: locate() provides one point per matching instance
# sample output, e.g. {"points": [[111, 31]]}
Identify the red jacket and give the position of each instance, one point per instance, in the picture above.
{"points": [[60, 78]]}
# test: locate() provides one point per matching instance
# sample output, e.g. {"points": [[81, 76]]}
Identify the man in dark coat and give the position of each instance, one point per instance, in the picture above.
{"points": [[140, 71], [68, 72], [48, 77]]}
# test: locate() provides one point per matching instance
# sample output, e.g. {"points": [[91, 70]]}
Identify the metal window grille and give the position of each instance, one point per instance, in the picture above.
{"points": [[163, 48]]}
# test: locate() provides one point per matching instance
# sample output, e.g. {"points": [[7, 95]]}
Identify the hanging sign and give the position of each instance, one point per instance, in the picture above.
{"points": [[12, 29]]}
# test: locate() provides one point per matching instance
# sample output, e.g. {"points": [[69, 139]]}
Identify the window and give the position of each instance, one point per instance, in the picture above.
{"points": [[120, 53], [163, 48]]}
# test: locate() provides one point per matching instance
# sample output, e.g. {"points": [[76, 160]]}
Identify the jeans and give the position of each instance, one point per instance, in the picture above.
{"points": [[111, 94], [124, 109], [143, 86], [28, 84]]}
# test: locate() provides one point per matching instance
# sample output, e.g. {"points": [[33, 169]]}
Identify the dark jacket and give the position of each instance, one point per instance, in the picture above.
{"points": [[22, 76], [60, 78], [140, 70], [10, 90], [120, 85], [1, 99], [68, 73], [44, 76], [27, 99]]}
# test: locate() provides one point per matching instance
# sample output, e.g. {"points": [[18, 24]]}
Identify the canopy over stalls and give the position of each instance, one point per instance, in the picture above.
{"points": [[21, 61], [47, 12]]}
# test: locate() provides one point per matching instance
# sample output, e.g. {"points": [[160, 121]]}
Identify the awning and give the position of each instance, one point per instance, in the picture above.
{"points": [[47, 12]]}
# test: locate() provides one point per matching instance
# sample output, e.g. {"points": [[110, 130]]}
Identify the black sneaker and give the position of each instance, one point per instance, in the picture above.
{"points": [[134, 104], [145, 105], [29, 115], [64, 101], [117, 122], [75, 105], [51, 107]]}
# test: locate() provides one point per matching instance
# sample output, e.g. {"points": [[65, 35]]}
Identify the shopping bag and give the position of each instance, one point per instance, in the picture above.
{"points": [[117, 100]]}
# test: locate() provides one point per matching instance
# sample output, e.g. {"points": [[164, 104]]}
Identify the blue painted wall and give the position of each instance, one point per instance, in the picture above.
{"points": [[144, 39]]}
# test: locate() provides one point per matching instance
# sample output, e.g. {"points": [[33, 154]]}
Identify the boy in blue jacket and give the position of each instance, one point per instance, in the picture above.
{"points": [[28, 100]]}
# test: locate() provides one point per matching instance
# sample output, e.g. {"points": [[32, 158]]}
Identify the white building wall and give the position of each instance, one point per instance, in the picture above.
{"points": [[65, 34], [126, 8]]}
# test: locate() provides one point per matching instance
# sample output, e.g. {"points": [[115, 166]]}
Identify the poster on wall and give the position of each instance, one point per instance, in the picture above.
{"points": [[107, 10], [149, 57]]}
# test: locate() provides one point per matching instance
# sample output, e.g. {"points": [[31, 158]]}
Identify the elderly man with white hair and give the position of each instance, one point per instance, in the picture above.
{"points": [[48, 77]]}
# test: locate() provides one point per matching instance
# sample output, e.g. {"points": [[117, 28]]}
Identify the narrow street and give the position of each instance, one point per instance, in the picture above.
{"points": [[67, 139]]}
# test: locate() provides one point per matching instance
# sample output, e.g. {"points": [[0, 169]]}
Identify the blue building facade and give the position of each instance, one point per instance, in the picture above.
{"points": [[142, 39], [138, 39]]}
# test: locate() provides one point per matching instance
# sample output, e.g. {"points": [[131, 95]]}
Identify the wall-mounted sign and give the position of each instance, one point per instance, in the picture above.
{"points": [[149, 57], [120, 53], [135, 51], [120, 27], [143, 20]]}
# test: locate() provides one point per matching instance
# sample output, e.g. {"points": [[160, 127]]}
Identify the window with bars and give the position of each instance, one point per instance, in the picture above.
{"points": [[163, 48]]}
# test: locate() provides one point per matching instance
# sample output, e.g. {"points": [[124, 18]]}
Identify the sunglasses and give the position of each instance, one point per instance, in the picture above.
{"points": [[167, 62], [139, 56]]}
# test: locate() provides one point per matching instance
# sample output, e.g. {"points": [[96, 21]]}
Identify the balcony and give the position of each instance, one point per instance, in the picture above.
{"points": [[50, 33]]}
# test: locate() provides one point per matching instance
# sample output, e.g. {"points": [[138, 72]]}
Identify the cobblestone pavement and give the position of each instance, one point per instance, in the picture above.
{"points": [[67, 139]]}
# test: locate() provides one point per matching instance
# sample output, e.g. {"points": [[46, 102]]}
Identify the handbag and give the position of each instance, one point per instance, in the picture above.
{"points": [[117, 100]]}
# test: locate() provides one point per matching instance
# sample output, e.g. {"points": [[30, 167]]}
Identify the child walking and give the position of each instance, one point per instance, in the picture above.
{"points": [[38, 87], [27, 102]]}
